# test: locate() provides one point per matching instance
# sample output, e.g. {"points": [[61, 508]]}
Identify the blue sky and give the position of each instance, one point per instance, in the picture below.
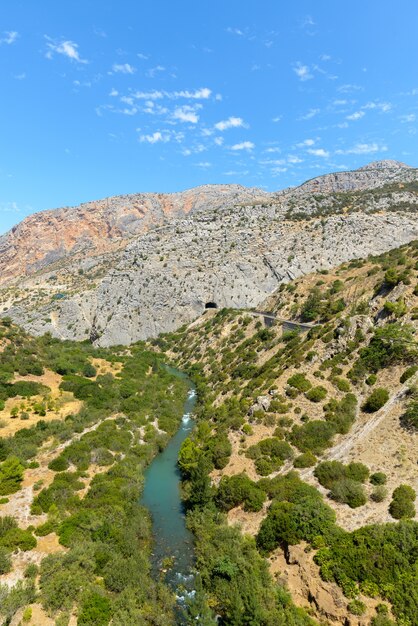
{"points": [[102, 97]]}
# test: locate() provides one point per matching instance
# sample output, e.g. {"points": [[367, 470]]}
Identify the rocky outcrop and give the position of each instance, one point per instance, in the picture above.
{"points": [[105, 225], [142, 265], [371, 176]]}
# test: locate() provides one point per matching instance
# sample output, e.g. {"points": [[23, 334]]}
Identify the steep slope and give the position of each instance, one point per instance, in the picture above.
{"points": [[233, 250], [337, 404], [104, 225]]}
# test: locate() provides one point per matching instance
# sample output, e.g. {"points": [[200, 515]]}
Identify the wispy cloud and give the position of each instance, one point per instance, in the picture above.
{"points": [[318, 152], [198, 94], [244, 145], [156, 137], [310, 114], [231, 122], [123, 68], [153, 71], [186, 113], [66, 48], [8, 37], [302, 71], [408, 118], [357, 115], [9, 207], [364, 148], [349, 88], [306, 143], [383, 107]]}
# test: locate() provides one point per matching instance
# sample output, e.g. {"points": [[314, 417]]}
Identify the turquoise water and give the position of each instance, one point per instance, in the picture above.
{"points": [[161, 496]]}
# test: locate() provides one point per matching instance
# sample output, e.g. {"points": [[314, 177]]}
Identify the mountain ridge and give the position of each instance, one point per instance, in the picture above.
{"points": [[233, 248]]}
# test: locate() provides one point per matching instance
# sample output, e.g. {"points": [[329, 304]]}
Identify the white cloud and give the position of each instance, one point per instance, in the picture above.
{"points": [[67, 48], [231, 122], [235, 31], [306, 143], [357, 115], [319, 152], [310, 114], [384, 107], [155, 137], [113, 92], [293, 159], [409, 117], [349, 88], [244, 145], [142, 56], [9, 207], [148, 95], [364, 148], [219, 141], [302, 71], [273, 162], [277, 119], [9, 37], [123, 68], [153, 71], [199, 94], [204, 164], [186, 114]]}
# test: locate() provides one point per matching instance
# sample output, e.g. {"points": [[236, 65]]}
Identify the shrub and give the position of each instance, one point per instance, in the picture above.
{"points": [[307, 459], [349, 492], [409, 419], [402, 505], [11, 475], [96, 610], [342, 384], [376, 400], [408, 373], [316, 394], [356, 607], [5, 561], [378, 478], [313, 436], [300, 382], [357, 471], [379, 493]]}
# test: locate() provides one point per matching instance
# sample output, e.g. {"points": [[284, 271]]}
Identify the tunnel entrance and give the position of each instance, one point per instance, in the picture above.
{"points": [[211, 305]]}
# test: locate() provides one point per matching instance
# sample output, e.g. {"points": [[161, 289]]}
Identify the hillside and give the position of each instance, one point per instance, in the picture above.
{"points": [[335, 406], [234, 248], [78, 426]]}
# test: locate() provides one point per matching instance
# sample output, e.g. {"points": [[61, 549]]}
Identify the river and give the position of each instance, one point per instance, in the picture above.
{"points": [[161, 496]]}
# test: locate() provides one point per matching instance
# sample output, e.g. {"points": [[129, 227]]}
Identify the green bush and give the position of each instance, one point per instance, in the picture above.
{"points": [[356, 607], [313, 436], [409, 419], [376, 400], [96, 610], [379, 493], [378, 478], [348, 491], [307, 459], [408, 373], [403, 502], [11, 475], [299, 382], [316, 394]]}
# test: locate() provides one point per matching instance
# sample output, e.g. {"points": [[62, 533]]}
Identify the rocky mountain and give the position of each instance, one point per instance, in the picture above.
{"points": [[131, 267], [105, 225]]}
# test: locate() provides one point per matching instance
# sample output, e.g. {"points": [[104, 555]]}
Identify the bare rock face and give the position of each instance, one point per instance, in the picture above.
{"points": [[164, 258], [104, 225], [370, 176]]}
